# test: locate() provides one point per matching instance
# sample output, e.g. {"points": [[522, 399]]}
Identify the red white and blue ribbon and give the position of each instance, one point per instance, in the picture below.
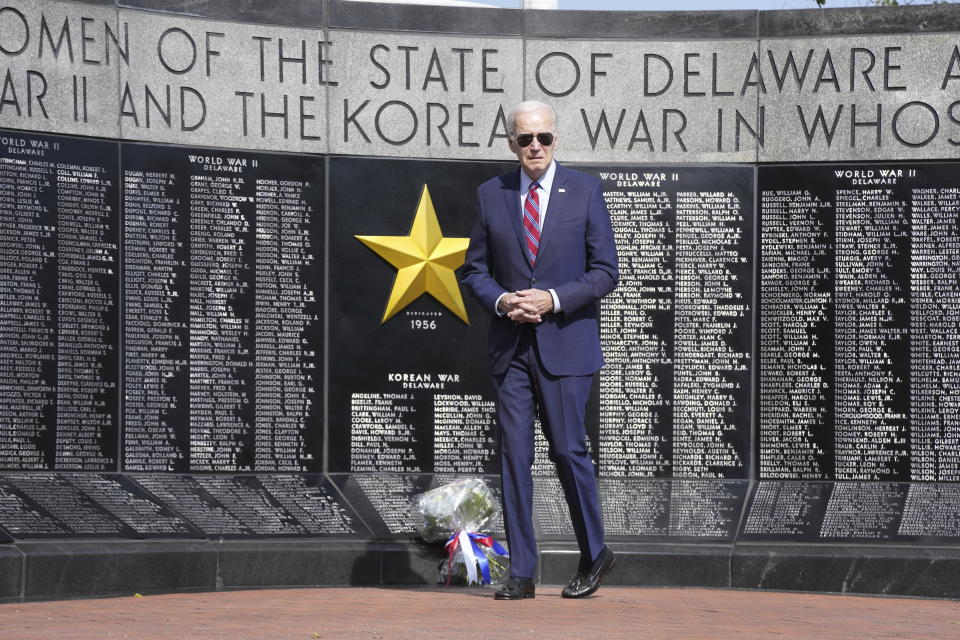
{"points": [[469, 543]]}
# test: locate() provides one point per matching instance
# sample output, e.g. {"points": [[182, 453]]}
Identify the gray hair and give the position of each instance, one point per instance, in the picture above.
{"points": [[526, 107]]}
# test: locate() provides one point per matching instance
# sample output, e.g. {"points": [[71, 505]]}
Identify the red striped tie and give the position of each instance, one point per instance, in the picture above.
{"points": [[531, 222]]}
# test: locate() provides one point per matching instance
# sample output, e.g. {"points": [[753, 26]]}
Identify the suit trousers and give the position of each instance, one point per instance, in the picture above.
{"points": [[524, 390]]}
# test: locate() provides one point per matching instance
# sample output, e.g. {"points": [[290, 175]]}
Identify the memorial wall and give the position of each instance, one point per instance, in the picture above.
{"points": [[230, 239]]}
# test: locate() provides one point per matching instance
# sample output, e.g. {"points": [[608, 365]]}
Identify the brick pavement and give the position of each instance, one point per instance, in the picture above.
{"points": [[441, 614]]}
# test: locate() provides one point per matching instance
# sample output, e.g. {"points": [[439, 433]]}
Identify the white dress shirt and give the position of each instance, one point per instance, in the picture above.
{"points": [[546, 185]]}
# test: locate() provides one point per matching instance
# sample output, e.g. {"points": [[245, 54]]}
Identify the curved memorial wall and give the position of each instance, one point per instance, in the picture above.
{"points": [[218, 371]]}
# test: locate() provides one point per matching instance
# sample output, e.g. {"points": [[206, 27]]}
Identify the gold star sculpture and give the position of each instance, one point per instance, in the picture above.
{"points": [[425, 262]]}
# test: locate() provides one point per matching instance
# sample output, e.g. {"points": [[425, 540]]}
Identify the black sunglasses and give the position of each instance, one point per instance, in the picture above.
{"points": [[526, 139]]}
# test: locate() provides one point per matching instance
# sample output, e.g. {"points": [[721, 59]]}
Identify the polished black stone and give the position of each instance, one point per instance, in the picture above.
{"points": [[656, 297], [11, 573], [860, 20], [641, 25], [301, 563], [886, 570], [383, 501], [267, 291], [48, 505], [412, 17], [115, 568], [424, 338], [621, 24], [817, 218], [60, 249], [120, 496], [308, 13], [112, 568], [648, 565], [257, 506], [412, 562]]}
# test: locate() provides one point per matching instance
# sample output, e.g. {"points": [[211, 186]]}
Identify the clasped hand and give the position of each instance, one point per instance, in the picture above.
{"points": [[528, 305]]}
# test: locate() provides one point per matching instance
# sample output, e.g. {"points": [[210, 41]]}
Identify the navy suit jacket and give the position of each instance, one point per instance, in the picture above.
{"points": [[577, 259]]}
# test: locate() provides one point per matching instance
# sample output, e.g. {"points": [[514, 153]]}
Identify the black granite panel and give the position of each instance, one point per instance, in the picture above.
{"points": [[20, 513], [315, 503], [84, 569], [411, 17], [48, 505], [59, 285], [675, 394], [384, 500], [640, 25], [130, 504], [646, 565], [71, 570], [914, 571], [410, 388], [257, 506], [857, 308], [860, 20], [289, 12], [412, 563], [853, 512], [11, 570], [186, 496], [648, 509], [222, 310], [245, 564], [151, 567]]}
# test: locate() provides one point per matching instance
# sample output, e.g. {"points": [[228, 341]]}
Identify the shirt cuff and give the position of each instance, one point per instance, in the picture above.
{"points": [[556, 301], [496, 305]]}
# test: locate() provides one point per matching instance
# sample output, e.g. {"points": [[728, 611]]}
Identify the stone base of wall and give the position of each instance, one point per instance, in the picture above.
{"points": [[65, 570]]}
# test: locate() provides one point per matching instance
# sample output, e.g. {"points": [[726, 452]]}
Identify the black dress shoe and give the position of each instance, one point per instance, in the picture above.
{"points": [[585, 582], [516, 589]]}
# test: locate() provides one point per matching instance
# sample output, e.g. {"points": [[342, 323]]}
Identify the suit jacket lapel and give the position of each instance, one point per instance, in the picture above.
{"points": [[555, 210], [511, 193]]}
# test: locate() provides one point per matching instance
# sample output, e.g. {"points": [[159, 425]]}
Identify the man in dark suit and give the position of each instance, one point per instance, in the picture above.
{"points": [[541, 255]]}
